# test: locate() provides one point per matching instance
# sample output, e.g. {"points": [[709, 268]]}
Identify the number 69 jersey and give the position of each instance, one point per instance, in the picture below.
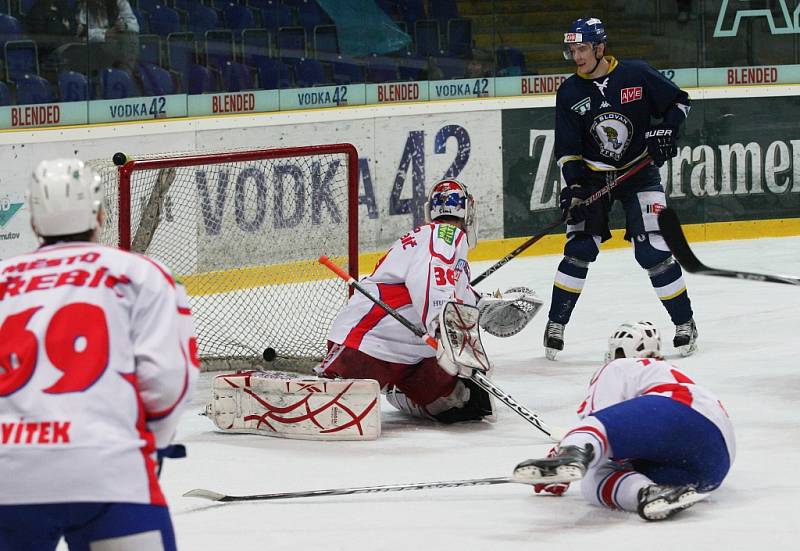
{"points": [[629, 378], [423, 270], [98, 358]]}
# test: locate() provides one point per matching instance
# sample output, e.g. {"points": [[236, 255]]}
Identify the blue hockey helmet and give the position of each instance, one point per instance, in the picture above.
{"points": [[585, 30]]}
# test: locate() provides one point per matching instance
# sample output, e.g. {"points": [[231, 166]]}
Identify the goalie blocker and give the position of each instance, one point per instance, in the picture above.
{"points": [[287, 406]]}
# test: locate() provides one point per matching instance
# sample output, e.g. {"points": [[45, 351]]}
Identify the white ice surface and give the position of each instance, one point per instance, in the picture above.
{"points": [[747, 354]]}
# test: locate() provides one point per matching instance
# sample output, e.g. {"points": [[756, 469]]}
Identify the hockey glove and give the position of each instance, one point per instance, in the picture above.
{"points": [[662, 143], [506, 314], [459, 349], [571, 202]]}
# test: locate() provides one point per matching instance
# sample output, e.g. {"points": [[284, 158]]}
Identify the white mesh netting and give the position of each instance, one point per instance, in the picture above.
{"points": [[244, 237]]}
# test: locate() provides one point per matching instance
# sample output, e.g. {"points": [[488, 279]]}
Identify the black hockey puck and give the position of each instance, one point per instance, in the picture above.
{"points": [[119, 158], [269, 354]]}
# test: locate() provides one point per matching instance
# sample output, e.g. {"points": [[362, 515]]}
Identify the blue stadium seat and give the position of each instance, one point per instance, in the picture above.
{"points": [[200, 80], [202, 19], [155, 80], [273, 74], [426, 32], [348, 70], [218, 48], [442, 11], [459, 38], [181, 53], [291, 42], [256, 43], [164, 20], [236, 77], [5, 94], [308, 73], [326, 40], [238, 18], [309, 15], [73, 86], [149, 5], [143, 19], [275, 16], [10, 29], [117, 84], [411, 11], [150, 48], [25, 6], [33, 89], [20, 58]]}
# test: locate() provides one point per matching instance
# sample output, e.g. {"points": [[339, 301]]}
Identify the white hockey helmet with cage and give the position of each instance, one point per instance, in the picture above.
{"points": [[450, 197], [634, 340], [64, 197]]}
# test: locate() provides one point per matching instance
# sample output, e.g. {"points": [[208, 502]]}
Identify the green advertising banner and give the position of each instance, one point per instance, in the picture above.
{"points": [[738, 159]]}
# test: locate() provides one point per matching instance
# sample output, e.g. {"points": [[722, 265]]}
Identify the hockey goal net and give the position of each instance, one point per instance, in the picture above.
{"points": [[243, 231]]}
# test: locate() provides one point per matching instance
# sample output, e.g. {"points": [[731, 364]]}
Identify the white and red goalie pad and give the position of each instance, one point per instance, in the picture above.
{"points": [[287, 406]]}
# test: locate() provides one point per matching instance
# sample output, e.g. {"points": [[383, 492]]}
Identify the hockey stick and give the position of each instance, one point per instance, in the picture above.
{"points": [[673, 234], [547, 229], [530, 416], [214, 496]]}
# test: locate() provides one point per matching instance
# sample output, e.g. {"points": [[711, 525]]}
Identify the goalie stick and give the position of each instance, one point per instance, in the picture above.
{"points": [[671, 230], [531, 416], [606, 189], [215, 496]]}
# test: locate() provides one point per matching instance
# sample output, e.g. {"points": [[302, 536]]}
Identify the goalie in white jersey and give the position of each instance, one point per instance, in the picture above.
{"points": [[650, 440], [98, 358], [421, 272]]}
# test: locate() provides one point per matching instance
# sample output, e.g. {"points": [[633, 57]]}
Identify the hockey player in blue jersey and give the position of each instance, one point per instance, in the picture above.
{"points": [[610, 116], [650, 440]]}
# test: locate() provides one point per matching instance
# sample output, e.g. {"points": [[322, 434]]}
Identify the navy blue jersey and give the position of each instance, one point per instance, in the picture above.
{"points": [[601, 122]]}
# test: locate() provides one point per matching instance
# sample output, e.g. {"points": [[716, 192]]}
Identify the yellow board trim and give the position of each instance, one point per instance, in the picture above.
{"points": [[225, 281]]}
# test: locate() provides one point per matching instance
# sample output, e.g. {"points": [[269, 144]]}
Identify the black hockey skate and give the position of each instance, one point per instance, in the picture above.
{"points": [[661, 502], [568, 465], [553, 339], [685, 340]]}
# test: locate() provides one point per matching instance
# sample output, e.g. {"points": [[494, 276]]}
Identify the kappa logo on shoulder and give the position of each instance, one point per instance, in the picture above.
{"points": [[628, 95], [583, 106]]}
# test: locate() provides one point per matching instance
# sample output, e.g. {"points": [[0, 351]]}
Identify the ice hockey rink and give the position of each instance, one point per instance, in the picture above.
{"points": [[747, 355]]}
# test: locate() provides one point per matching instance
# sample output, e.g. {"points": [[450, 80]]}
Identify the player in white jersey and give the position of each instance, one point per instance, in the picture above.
{"points": [[98, 359], [650, 439], [421, 272]]}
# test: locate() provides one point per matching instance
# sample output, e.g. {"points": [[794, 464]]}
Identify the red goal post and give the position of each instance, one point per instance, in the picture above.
{"points": [[243, 230]]}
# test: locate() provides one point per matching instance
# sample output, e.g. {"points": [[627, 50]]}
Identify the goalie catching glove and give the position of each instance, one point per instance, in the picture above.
{"points": [[508, 314], [459, 348]]}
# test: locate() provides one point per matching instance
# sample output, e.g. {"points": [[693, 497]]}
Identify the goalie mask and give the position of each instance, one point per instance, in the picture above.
{"points": [[64, 197], [451, 198], [634, 340]]}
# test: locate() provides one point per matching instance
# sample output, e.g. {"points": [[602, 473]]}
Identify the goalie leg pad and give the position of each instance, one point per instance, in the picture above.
{"points": [[460, 348], [287, 406]]}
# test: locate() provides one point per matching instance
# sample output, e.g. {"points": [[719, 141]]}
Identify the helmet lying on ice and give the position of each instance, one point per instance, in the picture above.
{"points": [[634, 340]]}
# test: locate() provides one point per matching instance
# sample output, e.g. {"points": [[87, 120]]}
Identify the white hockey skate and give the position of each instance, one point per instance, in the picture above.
{"points": [[553, 339], [661, 502], [685, 340]]}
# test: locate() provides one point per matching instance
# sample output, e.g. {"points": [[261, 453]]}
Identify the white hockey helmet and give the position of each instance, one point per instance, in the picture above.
{"points": [[635, 340], [64, 197], [450, 197]]}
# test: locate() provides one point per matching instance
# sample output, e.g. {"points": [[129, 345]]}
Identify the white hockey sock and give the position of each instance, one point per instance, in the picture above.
{"points": [[614, 486], [590, 431]]}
